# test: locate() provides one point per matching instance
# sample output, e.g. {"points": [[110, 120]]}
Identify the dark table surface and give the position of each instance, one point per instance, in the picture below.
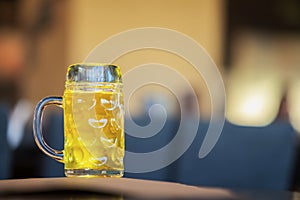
{"points": [[124, 188]]}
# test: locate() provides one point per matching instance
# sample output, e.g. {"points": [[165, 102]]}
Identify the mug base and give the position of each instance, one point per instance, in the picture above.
{"points": [[93, 173]]}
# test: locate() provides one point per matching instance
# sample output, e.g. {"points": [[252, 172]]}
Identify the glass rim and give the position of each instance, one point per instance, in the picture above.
{"points": [[94, 73]]}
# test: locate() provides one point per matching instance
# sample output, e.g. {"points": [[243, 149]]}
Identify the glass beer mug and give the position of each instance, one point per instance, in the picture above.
{"points": [[93, 121]]}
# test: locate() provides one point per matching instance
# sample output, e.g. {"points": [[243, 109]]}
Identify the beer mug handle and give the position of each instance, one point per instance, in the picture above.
{"points": [[37, 128]]}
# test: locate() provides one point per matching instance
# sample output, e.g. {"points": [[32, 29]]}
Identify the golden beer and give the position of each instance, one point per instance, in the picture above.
{"points": [[94, 135]]}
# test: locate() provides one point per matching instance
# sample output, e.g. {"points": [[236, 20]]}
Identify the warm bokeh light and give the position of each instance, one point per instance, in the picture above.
{"points": [[253, 100], [294, 104], [253, 105]]}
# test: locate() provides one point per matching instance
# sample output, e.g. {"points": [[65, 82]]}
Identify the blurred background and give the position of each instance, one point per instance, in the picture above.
{"points": [[255, 44]]}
